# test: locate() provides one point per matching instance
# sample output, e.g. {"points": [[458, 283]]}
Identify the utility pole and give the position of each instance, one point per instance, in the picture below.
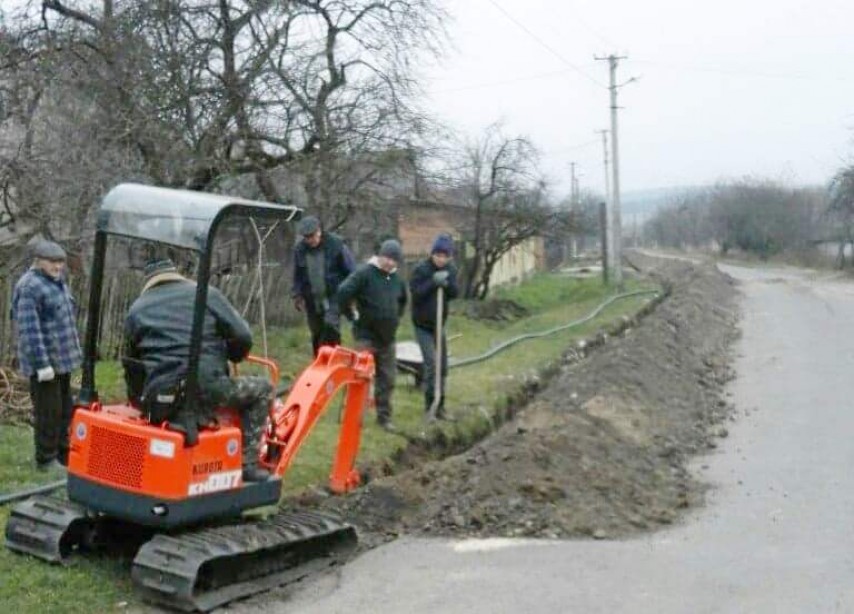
{"points": [[604, 134], [603, 239], [573, 207], [605, 216], [572, 185], [616, 223]]}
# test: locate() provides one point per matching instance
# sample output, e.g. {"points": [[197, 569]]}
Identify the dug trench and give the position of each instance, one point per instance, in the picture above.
{"points": [[598, 447]]}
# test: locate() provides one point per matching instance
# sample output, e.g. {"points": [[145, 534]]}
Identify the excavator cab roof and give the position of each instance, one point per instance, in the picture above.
{"points": [[181, 218]]}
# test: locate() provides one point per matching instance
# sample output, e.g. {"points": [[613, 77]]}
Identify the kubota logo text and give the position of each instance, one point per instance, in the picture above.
{"points": [[216, 482]]}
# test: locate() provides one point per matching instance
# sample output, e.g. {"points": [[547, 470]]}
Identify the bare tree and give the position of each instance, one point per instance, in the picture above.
{"points": [[759, 216], [193, 93], [499, 178], [347, 98]]}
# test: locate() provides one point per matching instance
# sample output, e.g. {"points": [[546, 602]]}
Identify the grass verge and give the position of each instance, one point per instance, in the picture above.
{"points": [[477, 396]]}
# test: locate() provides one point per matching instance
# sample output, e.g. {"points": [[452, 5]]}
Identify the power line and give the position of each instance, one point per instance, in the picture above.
{"points": [[737, 72], [545, 45], [476, 86], [585, 25], [557, 73], [571, 147]]}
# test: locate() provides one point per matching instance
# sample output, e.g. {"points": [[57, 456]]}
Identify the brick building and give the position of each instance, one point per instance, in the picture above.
{"points": [[419, 221]]}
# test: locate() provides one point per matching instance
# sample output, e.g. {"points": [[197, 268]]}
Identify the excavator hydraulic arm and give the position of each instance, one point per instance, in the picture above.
{"points": [[291, 420]]}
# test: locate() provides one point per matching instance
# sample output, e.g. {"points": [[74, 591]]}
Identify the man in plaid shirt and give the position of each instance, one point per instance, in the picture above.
{"points": [[48, 350]]}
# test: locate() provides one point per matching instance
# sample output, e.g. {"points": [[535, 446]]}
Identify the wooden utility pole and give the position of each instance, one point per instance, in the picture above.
{"points": [[605, 215], [603, 239], [573, 207], [616, 223]]}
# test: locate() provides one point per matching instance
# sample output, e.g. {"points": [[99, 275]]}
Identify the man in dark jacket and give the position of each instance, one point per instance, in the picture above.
{"points": [[157, 341], [48, 350], [379, 296], [321, 263], [429, 275]]}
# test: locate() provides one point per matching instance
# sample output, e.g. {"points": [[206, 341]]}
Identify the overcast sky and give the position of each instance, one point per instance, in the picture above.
{"points": [[725, 89]]}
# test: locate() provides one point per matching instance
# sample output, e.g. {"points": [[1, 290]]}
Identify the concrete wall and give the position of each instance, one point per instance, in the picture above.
{"points": [[520, 262]]}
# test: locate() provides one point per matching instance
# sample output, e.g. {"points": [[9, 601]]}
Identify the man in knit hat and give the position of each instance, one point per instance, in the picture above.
{"points": [[374, 296], [434, 272], [157, 350], [48, 350], [321, 263]]}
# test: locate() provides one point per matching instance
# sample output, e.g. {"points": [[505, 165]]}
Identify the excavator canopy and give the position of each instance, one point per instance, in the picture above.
{"points": [[181, 218]]}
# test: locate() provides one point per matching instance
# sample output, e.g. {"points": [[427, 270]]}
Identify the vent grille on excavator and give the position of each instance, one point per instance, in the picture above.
{"points": [[116, 457]]}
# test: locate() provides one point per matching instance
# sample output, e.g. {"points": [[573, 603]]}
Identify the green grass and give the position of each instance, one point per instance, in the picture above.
{"points": [[474, 392]]}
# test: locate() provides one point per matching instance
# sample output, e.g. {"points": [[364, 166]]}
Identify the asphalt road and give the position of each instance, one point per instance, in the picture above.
{"points": [[776, 533]]}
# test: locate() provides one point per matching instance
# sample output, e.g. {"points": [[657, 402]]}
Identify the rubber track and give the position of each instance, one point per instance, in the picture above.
{"points": [[201, 570], [47, 528]]}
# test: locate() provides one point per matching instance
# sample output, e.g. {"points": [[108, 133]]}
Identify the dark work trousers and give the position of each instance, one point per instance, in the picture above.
{"points": [[52, 410], [427, 341], [386, 370], [251, 396], [321, 333]]}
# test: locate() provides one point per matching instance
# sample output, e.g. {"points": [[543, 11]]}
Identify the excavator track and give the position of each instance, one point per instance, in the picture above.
{"points": [[200, 570], [48, 528]]}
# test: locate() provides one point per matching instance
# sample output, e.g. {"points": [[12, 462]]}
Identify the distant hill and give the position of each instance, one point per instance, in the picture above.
{"points": [[646, 202]]}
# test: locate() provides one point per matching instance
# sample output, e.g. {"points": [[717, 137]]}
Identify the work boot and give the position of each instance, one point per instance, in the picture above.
{"points": [[253, 473], [384, 422], [441, 416]]}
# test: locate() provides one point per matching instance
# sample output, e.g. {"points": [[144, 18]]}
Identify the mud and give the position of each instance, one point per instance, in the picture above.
{"points": [[601, 452]]}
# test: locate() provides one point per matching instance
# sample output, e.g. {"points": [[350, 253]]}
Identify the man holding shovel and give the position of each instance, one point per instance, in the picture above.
{"points": [[432, 284]]}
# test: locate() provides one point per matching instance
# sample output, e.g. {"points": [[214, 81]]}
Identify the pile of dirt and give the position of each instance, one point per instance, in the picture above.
{"points": [[601, 451]]}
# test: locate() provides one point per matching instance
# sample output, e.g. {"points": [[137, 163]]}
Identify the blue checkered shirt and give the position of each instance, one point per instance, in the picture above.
{"points": [[44, 313]]}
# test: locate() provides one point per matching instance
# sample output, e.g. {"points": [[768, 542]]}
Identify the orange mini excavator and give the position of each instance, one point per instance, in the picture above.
{"points": [[142, 477]]}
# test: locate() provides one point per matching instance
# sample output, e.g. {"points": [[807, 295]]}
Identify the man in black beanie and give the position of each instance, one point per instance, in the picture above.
{"points": [[435, 272], [374, 296]]}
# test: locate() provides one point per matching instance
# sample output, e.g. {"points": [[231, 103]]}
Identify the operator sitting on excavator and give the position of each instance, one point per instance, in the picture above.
{"points": [[157, 349]]}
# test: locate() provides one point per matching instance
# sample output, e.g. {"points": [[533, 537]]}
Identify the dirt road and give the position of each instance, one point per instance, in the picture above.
{"points": [[774, 535]]}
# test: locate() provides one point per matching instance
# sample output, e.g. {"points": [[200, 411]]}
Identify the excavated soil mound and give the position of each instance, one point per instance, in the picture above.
{"points": [[602, 451]]}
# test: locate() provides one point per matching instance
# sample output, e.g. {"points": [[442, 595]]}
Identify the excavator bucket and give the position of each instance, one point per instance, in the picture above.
{"points": [[201, 570]]}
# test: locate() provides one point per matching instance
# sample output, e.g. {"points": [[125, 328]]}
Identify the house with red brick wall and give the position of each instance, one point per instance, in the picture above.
{"points": [[419, 221]]}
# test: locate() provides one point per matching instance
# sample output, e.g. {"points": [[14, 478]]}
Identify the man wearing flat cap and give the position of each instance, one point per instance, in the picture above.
{"points": [[321, 263], [44, 314], [378, 295]]}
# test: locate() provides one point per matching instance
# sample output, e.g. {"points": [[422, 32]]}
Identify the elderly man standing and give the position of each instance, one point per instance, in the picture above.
{"points": [[321, 263], [48, 350]]}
